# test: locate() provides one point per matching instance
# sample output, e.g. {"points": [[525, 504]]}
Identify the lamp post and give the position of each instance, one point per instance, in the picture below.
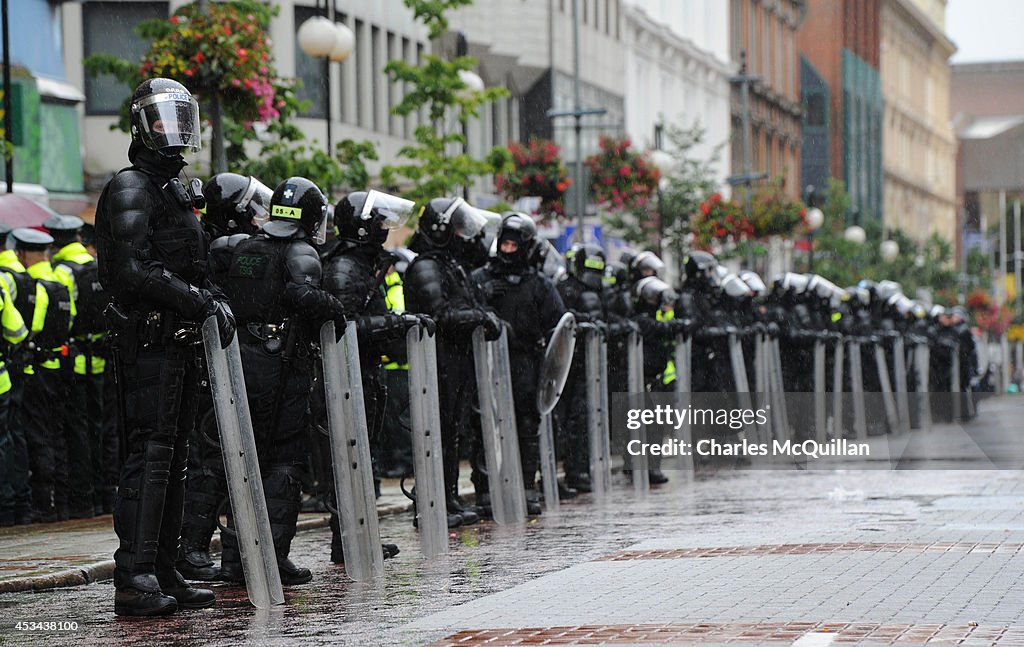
{"points": [[815, 219], [473, 84], [321, 37], [664, 162]]}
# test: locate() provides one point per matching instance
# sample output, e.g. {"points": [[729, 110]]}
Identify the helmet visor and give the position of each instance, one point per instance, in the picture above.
{"points": [[395, 211], [171, 120], [320, 233], [466, 220], [256, 200]]}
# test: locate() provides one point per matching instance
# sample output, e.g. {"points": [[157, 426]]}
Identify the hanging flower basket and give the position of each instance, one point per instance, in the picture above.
{"points": [[539, 171]]}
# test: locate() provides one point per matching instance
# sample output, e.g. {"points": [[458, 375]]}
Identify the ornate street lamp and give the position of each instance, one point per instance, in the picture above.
{"points": [[321, 37]]}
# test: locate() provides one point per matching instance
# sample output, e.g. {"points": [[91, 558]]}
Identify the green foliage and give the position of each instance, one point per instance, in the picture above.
{"points": [[925, 265], [432, 167]]}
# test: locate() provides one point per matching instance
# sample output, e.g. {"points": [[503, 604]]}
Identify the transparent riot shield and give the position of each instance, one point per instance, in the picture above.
{"points": [[891, 417], [242, 468], [684, 386], [761, 381], [739, 373], [819, 390], [954, 383], [922, 356], [780, 411], [899, 368], [838, 365], [350, 453], [548, 463], [498, 427], [860, 421], [596, 361], [425, 419], [635, 378]]}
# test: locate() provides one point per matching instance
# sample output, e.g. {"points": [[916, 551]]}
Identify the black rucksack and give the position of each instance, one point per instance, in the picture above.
{"points": [[92, 299], [58, 316]]}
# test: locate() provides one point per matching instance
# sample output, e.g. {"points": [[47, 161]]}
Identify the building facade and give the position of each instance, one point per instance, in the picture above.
{"points": [[46, 138], [677, 73], [919, 149], [763, 34], [841, 95]]}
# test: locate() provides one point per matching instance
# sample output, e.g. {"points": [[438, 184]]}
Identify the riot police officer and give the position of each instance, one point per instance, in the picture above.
{"points": [[152, 259], [529, 303], [580, 290], [236, 206], [437, 285], [275, 283], [354, 272]]}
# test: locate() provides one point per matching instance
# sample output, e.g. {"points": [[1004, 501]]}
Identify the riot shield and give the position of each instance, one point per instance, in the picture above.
{"points": [[350, 453], [554, 370], [819, 390], [548, 463], [635, 378], [780, 412], [891, 417], [553, 374], [922, 356], [597, 413], [838, 365], [860, 421], [739, 373], [498, 427], [425, 419], [684, 386], [954, 383], [242, 468], [761, 381], [899, 368]]}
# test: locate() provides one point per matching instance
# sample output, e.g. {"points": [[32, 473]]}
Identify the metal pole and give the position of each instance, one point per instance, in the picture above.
{"points": [[1001, 275], [577, 107], [8, 111], [329, 14], [661, 203], [1016, 253], [745, 107]]}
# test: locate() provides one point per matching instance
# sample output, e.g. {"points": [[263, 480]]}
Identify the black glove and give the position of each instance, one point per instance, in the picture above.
{"points": [[492, 326], [429, 324], [212, 307], [340, 320]]}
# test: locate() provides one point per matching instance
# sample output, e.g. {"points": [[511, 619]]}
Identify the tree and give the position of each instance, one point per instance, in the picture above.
{"points": [[221, 53], [435, 87]]}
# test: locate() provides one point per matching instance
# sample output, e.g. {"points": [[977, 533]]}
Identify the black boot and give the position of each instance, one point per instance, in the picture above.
{"points": [[188, 597], [140, 595], [138, 514], [579, 481], [203, 497], [170, 579], [283, 487], [468, 514], [196, 565]]}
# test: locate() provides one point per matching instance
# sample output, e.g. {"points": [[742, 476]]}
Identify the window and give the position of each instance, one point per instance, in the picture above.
{"points": [[108, 28], [376, 70], [312, 72], [816, 109]]}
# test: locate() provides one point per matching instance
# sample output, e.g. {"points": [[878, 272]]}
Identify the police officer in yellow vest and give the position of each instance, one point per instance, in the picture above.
{"points": [[30, 300], [44, 400], [12, 328], [396, 434], [77, 269]]}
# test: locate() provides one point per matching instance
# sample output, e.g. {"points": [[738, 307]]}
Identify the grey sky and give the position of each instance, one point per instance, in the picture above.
{"points": [[986, 30]]}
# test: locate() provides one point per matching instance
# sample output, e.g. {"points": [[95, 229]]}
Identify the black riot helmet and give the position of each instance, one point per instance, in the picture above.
{"points": [[165, 117], [443, 219], [367, 217], [298, 205], [700, 269], [616, 275], [520, 229], [654, 293], [235, 204], [546, 259], [586, 263], [645, 264]]}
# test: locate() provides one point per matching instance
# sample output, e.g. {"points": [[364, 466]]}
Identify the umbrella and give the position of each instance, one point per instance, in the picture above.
{"points": [[17, 211]]}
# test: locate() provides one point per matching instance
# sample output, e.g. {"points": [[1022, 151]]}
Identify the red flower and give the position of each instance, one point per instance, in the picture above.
{"points": [[562, 186], [175, 20], [242, 53], [199, 57], [705, 209], [624, 171], [227, 30]]}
